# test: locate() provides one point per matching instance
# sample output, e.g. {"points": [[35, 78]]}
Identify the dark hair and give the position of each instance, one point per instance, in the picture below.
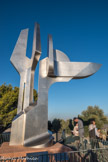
{"points": [[75, 118], [91, 121]]}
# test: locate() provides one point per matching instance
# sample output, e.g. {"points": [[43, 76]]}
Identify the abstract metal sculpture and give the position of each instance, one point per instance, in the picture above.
{"points": [[25, 66], [30, 126]]}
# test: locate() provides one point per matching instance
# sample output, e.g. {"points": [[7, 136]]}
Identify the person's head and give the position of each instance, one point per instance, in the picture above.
{"points": [[99, 130], [75, 119], [92, 121]]}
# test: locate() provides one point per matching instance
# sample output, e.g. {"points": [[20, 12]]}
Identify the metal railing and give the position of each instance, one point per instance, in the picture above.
{"points": [[93, 150], [4, 137], [93, 155]]}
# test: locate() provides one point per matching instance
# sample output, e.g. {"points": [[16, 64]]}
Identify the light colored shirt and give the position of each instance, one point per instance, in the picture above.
{"points": [[75, 131], [91, 126], [96, 132]]}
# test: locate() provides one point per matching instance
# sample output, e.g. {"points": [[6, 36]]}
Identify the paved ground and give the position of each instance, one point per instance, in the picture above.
{"points": [[19, 151]]}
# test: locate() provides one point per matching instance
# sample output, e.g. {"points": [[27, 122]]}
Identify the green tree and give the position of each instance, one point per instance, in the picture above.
{"points": [[35, 94], [49, 125], [93, 113], [56, 125], [65, 124], [8, 103], [60, 124]]}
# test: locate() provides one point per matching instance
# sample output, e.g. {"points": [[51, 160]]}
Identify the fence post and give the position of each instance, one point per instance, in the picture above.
{"points": [[56, 136]]}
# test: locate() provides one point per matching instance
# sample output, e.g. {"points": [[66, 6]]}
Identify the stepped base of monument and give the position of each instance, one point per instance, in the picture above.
{"points": [[40, 141], [7, 151], [45, 144]]}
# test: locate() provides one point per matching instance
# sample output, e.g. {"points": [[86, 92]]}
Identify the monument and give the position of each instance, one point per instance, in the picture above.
{"points": [[29, 128]]}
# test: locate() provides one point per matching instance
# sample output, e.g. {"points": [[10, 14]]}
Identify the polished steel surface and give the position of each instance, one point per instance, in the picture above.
{"points": [[50, 55], [17, 131], [25, 66], [76, 70], [54, 68]]}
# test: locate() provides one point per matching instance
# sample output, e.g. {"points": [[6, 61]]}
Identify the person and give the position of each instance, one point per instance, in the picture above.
{"points": [[98, 133], [107, 136], [94, 134], [75, 130], [104, 137], [80, 128], [92, 126]]}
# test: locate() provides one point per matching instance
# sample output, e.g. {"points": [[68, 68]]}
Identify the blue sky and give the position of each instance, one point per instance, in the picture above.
{"points": [[79, 29]]}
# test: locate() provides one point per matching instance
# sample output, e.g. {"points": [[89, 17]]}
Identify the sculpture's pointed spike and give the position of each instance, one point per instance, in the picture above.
{"points": [[19, 52], [36, 50], [36, 40], [50, 48], [50, 54], [36, 53]]}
